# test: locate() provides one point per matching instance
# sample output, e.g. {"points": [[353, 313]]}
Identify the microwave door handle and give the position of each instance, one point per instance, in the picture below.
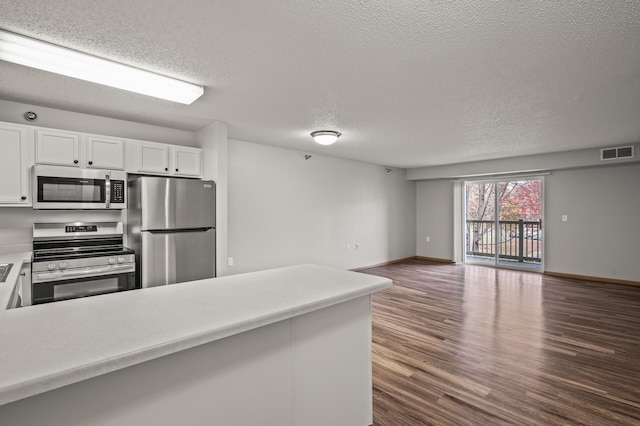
{"points": [[107, 191]]}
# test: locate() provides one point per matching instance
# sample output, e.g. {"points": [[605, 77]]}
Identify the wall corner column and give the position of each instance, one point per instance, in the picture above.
{"points": [[213, 140]]}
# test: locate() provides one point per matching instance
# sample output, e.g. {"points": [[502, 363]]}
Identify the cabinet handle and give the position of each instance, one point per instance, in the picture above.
{"points": [[75, 161], [177, 170], [23, 274], [24, 197], [166, 169], [90, 162]]}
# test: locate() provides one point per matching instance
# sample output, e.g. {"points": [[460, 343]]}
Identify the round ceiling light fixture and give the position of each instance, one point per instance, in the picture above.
{"points": [[325, 137]]}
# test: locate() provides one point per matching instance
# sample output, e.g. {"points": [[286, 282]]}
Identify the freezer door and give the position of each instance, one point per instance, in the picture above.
{"points": [[170, 203], [175, 257]]}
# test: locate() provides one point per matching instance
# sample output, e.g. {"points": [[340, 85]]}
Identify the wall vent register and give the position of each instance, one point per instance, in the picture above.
{"points": [[616, 153]]}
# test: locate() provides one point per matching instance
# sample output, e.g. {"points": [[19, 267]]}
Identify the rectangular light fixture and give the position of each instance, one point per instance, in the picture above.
{"points": [[60, 60]]}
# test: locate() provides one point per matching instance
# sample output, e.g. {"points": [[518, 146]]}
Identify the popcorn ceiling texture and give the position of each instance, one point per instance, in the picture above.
{"points": [[408, 83]]}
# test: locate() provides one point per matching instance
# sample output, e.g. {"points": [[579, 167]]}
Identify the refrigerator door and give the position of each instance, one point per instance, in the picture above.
{"points": [[175, 257], [170, 203]]}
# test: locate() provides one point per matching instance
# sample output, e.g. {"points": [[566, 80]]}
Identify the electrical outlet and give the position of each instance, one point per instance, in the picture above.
{"points": [[230, 261], [428, 239], [348, 246], [565, 217]]}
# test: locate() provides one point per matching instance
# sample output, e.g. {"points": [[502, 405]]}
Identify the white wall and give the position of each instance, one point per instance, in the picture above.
{"points": [[435, 219], [16, 223], [286, 210], [214, 142], [600, 239], [580, 158], [13, 112], [282, 209]]}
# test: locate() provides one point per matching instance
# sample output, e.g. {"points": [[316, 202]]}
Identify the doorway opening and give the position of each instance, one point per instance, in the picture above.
{"points": [[503, 223]]}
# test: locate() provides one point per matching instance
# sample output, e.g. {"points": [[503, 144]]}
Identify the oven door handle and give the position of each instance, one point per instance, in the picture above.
{"points": [[67, 274], [107, 191]]}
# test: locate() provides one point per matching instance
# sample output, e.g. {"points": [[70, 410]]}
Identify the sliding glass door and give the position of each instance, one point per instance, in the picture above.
{"points": [[504, 223]]}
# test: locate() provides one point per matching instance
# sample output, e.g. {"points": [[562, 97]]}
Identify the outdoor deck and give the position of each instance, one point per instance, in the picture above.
{"points": [[518, 242], [507, 263]]}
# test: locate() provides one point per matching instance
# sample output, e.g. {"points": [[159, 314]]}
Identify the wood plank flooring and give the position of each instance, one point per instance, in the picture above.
{"points": [[473, 345]]}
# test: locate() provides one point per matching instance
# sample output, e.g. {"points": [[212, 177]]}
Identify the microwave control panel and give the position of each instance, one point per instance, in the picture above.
{"points": [[117, 191]]}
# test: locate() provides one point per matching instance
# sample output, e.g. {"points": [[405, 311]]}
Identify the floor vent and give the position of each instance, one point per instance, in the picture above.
{"points": [[616, 153]]}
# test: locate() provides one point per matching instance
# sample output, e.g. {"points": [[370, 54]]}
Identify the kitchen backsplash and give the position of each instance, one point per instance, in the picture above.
{"points": [[16, 223]]}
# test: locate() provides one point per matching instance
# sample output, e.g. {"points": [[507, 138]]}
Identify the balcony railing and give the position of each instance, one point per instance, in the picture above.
{"points": [[518, 240]]}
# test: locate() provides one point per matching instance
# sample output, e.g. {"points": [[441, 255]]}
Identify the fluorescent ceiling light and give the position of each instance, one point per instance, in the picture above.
{"points": [[60, 60]]}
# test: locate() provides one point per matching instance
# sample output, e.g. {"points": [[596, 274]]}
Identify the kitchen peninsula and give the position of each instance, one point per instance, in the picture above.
{"points": [[287, 346]]}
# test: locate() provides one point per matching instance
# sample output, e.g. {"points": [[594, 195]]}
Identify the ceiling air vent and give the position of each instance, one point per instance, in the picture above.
{"points": [[615, 153]]}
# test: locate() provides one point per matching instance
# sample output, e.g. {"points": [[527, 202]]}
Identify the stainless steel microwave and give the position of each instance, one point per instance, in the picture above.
{"points": [[59, 187]]}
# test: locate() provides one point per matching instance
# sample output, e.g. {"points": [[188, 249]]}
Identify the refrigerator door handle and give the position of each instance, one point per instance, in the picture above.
{"points": [[179, 231]]}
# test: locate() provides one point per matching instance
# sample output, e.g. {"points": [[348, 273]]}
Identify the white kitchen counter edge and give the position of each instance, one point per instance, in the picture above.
{"points": [[325, 287], [7, 287]]}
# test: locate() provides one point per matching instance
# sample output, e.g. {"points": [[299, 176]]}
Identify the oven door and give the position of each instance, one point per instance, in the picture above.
{"points": [[70, 284]]}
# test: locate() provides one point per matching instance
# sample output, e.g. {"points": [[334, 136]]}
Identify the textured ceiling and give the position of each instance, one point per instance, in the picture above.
{"points": [[408, 83]]}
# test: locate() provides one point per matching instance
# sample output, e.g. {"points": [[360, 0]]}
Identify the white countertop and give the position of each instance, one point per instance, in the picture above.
{"points": [[52, 345]]}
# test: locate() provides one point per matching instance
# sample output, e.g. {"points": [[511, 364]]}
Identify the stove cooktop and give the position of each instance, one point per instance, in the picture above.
{"points": [[68, 253]]}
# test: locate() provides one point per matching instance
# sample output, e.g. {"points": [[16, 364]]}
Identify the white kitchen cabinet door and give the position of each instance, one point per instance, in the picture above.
{"points": [[186, 161], [14, 165], [57, 147], [105, 153], [152, 158]]}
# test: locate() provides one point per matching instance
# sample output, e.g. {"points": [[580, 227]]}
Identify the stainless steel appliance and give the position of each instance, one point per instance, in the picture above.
{"points": [[171, 226], [79, 259], [57, 187]]}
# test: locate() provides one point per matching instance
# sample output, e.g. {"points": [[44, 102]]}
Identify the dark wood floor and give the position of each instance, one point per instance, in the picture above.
{"points": [[474, 345]]}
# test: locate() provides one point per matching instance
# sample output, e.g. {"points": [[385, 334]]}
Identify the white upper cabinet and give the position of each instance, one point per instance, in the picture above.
{"points": [[105, 153], [163, 159], [152, 158], [186, 161], [78, 150], [14, 165], [57, 147], [74, 149]]}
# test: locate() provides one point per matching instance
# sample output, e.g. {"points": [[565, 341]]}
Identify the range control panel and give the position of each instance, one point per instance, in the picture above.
{"points": [[81, 228]]}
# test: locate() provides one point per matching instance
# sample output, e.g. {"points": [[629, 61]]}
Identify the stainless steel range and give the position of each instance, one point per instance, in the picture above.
{"points": [[79, 259]]}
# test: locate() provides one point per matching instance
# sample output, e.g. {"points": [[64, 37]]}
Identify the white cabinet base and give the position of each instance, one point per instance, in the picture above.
{"points": [[332, 382], [314, 369]]}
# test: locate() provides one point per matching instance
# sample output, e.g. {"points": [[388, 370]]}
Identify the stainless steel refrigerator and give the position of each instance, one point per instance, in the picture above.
{"points": [[171, 227]]}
